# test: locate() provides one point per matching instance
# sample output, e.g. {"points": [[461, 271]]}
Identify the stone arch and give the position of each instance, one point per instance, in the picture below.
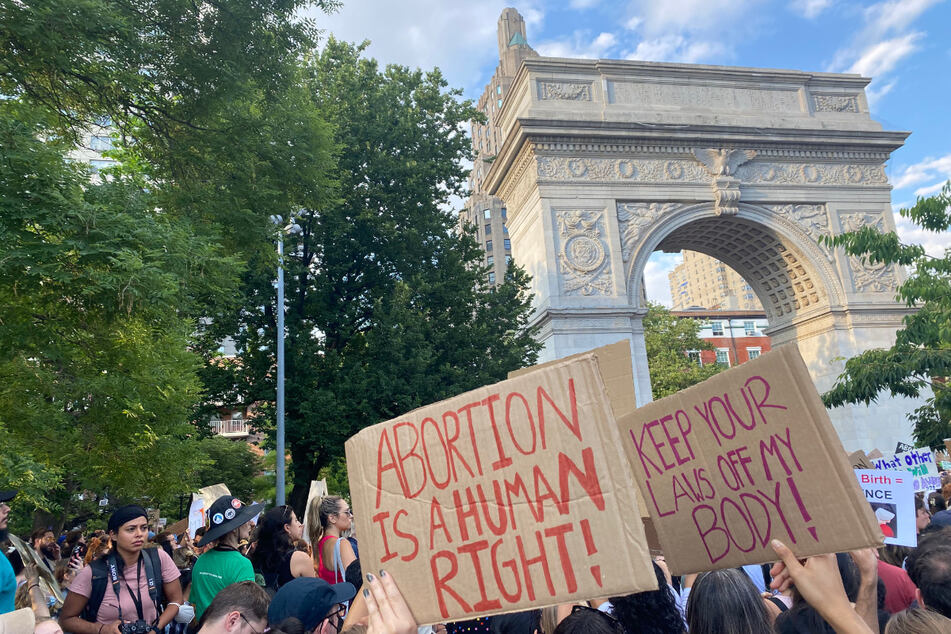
{"points": [[791, 274]]}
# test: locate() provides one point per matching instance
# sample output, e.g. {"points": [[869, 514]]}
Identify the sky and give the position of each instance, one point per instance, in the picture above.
{"points": [[902, 45]]}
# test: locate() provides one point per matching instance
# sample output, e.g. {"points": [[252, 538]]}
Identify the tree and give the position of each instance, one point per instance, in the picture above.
{"points": [[920, 360], [388, 306], [668, 339], [96, 377]]}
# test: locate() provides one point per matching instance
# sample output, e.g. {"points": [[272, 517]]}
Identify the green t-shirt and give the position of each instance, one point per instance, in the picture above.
{"points": [[214, 571]]}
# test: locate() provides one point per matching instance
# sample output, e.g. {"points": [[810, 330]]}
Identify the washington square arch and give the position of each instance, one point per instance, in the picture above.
{"points": [[599, 163]]}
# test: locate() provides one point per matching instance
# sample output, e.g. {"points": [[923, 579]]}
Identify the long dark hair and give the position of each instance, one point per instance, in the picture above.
{"points": [[726, 602], [274, 543], [653, 612]]}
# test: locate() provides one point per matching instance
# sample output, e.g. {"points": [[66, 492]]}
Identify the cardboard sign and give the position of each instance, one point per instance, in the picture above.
{"points": [[859, 460], [893, 501], [509, 496], [47, 579], [920, 463], [744, 457], [196, 515]]}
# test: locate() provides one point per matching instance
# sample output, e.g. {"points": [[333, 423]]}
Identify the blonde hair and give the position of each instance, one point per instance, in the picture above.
{"points": [[318, 516], [918, 621], [548, 620]]}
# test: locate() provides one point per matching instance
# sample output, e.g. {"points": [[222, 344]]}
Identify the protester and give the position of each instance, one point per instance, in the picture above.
{"points": [[276, 556], [929, 568], [918, 621], [224, 564], [587, 620], [311, 601], [116, 589], [724, 602], [329, 517], [900, 592], [386, 607], [8, 579], [239, 608], [922, 515], [818, 582], [652, 612]]}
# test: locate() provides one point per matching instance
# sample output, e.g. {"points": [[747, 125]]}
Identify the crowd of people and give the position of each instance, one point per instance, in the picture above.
{"points": [[250, 572]]}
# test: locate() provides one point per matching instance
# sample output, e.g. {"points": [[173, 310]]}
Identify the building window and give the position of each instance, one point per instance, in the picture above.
{"points": [[694, 355], [508, 260], [723, 356], [505, 229], [753, 353], [508, 244], [749, 328], [491, 278], [717, 328], [500, 103], [100, 143], [488, 245], [488, 229], [99, 164], [490, 260], [504, 214], [487, 214], [498, 90]]}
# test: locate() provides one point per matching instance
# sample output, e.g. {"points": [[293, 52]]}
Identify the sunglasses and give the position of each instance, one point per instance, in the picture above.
{"points": [[245, 619]]}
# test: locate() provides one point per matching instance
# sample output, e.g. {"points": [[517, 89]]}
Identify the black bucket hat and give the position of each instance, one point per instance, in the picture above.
{"points": [[6, 496], [226, 514], [307, 599]]}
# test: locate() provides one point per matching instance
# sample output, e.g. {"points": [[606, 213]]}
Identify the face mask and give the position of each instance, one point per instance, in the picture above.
{"points": [[186, 613]]}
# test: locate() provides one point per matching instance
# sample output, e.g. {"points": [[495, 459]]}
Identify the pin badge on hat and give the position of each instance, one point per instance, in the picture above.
{"points": [[218, 518], [229, 514], [236, 503]]}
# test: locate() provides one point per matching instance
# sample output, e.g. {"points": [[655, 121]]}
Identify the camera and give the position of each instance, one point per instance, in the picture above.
{"points": [[139, 627]]}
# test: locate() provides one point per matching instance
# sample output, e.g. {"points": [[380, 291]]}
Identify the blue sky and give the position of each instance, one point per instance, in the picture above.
{"points": [[902, 45]]}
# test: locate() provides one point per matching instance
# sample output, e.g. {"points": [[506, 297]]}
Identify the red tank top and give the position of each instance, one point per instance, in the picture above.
{"points": [[323, 572]]}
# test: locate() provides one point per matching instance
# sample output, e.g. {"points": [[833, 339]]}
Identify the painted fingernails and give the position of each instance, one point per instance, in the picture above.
{"points": [[366, 593], [369, 577], [382, 573]]}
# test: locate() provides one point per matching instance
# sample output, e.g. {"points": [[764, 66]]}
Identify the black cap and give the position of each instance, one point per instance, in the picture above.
{"points": [[227, 513], [307, 599], [9, 494]]}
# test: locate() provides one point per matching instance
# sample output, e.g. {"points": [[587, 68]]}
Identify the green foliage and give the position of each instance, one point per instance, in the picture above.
{"points": [[921, 357], [388, 308], [668, 339], [232, 462]]}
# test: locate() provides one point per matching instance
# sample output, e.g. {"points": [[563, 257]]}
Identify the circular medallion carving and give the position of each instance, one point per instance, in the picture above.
{"points": [[626, 169], [854, 174], [584, 253], [810, 173], [577, 168], [674, 170]]}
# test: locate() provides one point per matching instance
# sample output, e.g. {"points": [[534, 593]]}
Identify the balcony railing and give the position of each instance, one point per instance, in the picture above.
{"points": [[230, 428]]}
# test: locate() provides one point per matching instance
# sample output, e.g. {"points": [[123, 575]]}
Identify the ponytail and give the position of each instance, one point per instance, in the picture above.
{"points": [[318, 516]]}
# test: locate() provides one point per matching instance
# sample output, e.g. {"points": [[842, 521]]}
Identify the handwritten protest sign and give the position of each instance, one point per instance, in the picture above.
{"points": [[893, 501], [509, 496], [919, 462], [744, 457]]}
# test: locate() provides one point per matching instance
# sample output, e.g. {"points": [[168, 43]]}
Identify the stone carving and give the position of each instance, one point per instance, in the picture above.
{"points": [[564, 90], [721, 164], [874, 278], [722, 98], [635, 218], [812, 174], [836, 103], [855, 221], [583, 259], [560, 168], [812, 219]]}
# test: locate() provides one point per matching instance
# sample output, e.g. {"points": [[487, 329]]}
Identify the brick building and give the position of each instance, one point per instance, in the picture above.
{"points": [[737, 336]]}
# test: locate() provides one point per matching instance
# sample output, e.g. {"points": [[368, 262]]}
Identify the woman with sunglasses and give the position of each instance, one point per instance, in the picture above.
{"points": [[275, 557], [329, 518]]}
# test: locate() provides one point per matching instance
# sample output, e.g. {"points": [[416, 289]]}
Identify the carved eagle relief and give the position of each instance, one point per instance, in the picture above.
{"points": [[723, 162]]}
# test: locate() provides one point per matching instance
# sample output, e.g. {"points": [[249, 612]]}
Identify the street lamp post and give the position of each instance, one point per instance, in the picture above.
{"points": [[280, 467]]}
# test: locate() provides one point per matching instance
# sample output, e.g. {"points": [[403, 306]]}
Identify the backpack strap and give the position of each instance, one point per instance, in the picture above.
{"points": [[100, 580], [153, 575], [338, 562]]}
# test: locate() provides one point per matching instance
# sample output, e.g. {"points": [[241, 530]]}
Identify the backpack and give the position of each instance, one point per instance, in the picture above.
{"points": [[100, 582]]}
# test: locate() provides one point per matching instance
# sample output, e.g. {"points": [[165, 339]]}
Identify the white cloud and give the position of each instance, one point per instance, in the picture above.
{"points": [[882, 57], [677, 48], [458, 37], [579, 44], [935, 244], [930, 190], [657, 284], [930, 169], [810, 8], [881, 43]]}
